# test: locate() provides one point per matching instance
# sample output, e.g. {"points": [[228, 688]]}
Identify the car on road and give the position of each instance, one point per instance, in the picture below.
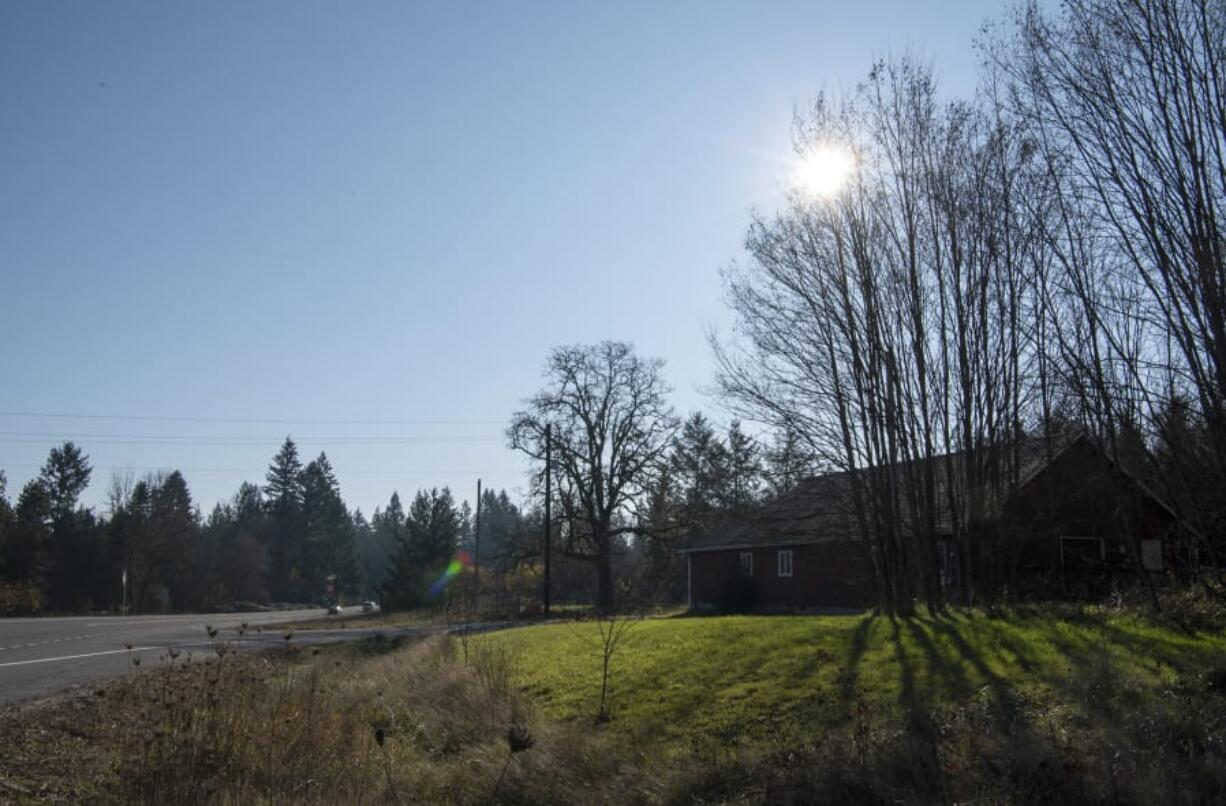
{"points": [[335, 610], [370, 607]]}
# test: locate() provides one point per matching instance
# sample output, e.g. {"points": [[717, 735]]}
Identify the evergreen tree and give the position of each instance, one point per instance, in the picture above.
{"points": [[505, 540], [786, 463], [70, 556], [363, 536], [699, 464], [28, 548], [331, 548], [65, 475], [235, 560], [465, 535], [744, 470], [245, 555], [662, 577], [432, 531], [283, 495], [177, 525], [155, 537], [6, 525], [388, 530]]}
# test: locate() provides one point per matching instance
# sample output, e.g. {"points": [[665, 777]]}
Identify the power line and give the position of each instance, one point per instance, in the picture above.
{"points": [[251, 472], [247, 420], [38, 437]]}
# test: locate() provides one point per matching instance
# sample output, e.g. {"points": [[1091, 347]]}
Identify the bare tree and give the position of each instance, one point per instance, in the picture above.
{"points": [[611, 631], [1127, 101], [611, 428], [885, 326]]}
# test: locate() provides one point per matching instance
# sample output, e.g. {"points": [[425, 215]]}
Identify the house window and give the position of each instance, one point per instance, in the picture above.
{"points": [[785, 563], [747, 563], [1082, 552], [1151, 555]]}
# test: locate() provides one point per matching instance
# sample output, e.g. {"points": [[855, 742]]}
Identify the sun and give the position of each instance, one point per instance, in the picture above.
{"points": [[823, 170]]}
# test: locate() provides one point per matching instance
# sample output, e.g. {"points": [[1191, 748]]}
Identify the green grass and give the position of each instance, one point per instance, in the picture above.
{"points": [[759, 680]]}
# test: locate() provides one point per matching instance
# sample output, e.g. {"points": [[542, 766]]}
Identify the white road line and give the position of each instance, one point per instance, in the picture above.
{"points": [[255, 616], [93, 654]]}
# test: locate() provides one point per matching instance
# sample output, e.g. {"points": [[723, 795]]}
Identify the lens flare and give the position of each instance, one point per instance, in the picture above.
{"points": [[456, 567]]}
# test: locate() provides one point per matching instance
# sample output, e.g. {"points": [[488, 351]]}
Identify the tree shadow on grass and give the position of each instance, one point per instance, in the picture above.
{"points": [[1003, 737], [1003, 692], [849, 675]]}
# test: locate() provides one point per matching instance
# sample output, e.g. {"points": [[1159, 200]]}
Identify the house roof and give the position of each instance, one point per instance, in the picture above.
{"points": [[820, 509]]}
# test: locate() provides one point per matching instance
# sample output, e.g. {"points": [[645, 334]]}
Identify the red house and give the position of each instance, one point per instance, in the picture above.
{"points": [[1063, 532]]}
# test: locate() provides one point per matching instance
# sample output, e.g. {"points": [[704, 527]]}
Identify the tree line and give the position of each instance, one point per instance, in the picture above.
{"points": [[287, 541]]}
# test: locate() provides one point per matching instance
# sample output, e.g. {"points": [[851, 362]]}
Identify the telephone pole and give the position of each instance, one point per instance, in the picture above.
{"points": [[477, 545], [548, 519]]}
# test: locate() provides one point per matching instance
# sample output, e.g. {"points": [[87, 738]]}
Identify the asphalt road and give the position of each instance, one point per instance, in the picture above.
{"points": [[40, 656]]}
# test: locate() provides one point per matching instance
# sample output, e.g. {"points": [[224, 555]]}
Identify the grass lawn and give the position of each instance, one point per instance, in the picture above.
{"points": [[765, 680]]}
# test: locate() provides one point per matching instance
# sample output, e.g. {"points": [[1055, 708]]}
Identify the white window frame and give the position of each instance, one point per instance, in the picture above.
{"points": [[780, 557], [746, 563]]}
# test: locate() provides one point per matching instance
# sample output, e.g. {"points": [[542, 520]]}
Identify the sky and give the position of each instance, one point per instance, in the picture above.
{"points": [[366, 224]]}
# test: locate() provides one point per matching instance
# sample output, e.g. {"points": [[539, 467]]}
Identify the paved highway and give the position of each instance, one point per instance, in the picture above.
{"points": [[39, 656]]}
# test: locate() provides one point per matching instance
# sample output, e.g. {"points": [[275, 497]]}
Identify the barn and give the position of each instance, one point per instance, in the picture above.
{"points": [[1064, 532]]}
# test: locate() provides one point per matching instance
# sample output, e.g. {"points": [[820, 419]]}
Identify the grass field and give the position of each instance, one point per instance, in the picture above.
{"points": [[1054, 705], [1051, 705], [748, 679]]}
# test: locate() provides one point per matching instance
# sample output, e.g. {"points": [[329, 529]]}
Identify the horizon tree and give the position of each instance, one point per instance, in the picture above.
{"points": [[611, 426]]}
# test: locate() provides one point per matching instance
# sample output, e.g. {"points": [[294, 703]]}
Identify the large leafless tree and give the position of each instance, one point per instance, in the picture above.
{"points": [[610, 427]]}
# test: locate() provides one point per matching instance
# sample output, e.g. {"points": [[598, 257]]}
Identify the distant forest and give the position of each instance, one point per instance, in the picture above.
{"points": [[279, 542]]}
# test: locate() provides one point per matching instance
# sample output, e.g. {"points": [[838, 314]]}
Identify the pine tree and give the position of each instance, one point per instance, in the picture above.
{"points": [[236, 563], [432, 530], [70, 556], [283, 495], [388, 530], [65, 475], [700, 469], [331, 548], [744, 470], [787, 462], [28, 547], [177, 524], [6, 525]]}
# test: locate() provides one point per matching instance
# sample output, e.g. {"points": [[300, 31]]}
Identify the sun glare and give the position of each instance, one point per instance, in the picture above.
{"points": [[824, 170]]}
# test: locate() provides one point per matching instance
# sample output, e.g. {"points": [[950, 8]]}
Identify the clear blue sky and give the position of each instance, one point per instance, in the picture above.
{"points": [[315, 218]]}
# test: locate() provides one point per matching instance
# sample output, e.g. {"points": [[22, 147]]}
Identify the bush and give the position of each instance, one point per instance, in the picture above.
{"points": [[1199, 607], [19, 598]]}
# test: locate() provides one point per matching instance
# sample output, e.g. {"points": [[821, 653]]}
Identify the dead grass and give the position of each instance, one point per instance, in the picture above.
{"points": [[375, 722]]}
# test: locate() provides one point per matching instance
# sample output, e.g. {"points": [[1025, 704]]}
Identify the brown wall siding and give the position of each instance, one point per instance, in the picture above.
{"points": [[833, 574], [1082, 495]]}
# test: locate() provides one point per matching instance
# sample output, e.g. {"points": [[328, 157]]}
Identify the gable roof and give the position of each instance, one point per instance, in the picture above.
{"points": [[820, 508]]}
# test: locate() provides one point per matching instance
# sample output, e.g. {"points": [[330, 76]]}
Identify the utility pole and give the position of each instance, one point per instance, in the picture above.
{"points": [[548, 518], [477, 545]]}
